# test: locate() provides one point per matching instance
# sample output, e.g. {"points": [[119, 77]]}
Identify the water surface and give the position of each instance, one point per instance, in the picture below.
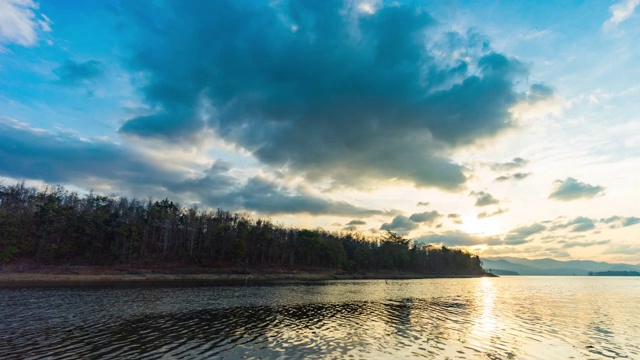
{"points": [[484, 318]]}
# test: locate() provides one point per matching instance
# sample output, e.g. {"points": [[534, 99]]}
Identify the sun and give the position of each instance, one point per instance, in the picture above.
{"points": [[487, 227]]}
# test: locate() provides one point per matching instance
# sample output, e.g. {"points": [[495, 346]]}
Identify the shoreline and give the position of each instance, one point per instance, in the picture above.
{"points": [[127, 277]]}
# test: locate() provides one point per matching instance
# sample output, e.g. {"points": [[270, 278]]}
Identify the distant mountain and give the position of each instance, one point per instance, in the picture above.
{"points": [[552, 267], [500, 264]]}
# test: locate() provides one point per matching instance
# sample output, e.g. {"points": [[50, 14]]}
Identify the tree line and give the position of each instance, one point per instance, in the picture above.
{"points": [[614, 273], [56, 226]]}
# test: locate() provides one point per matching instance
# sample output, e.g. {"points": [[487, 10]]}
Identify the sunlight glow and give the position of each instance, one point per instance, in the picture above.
{"points": [[488, 227], [366, 8]]}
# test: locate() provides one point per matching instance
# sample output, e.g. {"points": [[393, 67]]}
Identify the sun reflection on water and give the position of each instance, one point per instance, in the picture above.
{"points": [[485, 325]]}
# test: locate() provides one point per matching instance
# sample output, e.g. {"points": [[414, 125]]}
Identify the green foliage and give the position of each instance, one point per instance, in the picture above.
{"points": [[56, 226]]}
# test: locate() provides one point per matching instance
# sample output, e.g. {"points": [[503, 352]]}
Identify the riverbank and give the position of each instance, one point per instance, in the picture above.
{"points": [[123, 276]]}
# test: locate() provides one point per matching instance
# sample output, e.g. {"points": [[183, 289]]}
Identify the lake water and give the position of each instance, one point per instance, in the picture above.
{"points": [[484, 318]]}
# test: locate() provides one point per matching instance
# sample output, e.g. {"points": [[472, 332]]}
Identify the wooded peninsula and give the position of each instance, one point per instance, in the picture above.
{"points": [[57, 227]]}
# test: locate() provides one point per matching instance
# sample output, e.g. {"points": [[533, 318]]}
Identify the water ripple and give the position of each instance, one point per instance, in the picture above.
{"points": [[506, 318]]}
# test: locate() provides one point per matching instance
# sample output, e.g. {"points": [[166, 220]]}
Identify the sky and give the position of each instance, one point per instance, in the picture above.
{"points": [[505, 128]]}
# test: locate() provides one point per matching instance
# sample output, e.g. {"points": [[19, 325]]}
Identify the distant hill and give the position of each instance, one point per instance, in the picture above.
{"points": [[552, 267]]}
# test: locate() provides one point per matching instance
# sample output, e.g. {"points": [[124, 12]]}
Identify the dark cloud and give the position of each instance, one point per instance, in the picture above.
{"points": [[521, 234], [572, 189], [66, 158], [357, 222], [458, 238], [318, 87], [484, 214], [405, 224], [73, 73], [401, 224], [265, 196], [425, 217], [216, 183], [516, 176], [59, 157], [537, 92], [353, 225], [516, 163], [484, 198]]}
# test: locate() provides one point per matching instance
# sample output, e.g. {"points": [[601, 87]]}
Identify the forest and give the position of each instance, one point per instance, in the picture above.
{"points": [[55, 226]]}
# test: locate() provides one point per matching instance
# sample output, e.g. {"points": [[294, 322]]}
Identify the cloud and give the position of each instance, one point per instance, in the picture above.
{"points": [[516, 176], [569, 245], [623, 249], [581, 224], [62, 157], [268, 197], [259, 193], [353, 225], [517, 162], [578, 224], [21, 23], [59, 157], [401, 224], [521, 234], [621, 221], [213, 188], [73, 73], [485, 214], [456, 218], [484, 198], [423, 203], [458, 238], [611, 219], [324, 89], [404, 224], [357, 222], [425, 217], [572, 189], [520, 175], [630, 221], [619, 13]]}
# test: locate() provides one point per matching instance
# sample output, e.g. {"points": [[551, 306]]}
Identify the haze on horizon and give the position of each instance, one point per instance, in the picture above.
{"points": [[507, 129]]}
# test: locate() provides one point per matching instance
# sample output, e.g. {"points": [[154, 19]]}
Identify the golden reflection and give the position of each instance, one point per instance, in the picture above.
{"points": [[486, 325]]}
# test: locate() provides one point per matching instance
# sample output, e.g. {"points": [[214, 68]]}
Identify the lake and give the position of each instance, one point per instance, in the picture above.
{"points": [[480, 318]]}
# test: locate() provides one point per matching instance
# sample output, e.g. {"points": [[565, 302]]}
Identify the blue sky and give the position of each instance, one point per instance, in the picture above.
{"points": [[508, 128]]}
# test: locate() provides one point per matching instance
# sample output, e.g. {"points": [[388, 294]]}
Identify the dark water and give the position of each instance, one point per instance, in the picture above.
{"points": [[489, 318]]}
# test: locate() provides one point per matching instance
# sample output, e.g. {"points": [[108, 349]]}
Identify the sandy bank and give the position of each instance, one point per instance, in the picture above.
{"points": [[93, 276]]}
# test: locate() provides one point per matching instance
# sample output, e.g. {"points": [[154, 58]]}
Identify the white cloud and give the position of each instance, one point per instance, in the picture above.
{"points": [[21, 23], [619, 13]]}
